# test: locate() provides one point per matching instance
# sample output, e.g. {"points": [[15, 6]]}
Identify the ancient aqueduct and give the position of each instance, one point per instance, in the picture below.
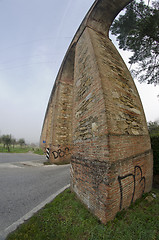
{"points": [[95, 119]]}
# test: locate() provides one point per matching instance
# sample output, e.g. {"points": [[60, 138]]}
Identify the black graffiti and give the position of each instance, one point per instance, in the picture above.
{"points": [[142, 179], [60, 153]]}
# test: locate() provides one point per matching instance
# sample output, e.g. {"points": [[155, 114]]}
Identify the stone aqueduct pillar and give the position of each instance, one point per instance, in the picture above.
{"points": [[95, 119]]}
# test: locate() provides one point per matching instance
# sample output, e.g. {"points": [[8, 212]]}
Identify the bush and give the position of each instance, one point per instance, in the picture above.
{"points": [[155, 147]]}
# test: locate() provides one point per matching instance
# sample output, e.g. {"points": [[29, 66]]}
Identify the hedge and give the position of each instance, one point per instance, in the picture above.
{"points": [[155, 148]]}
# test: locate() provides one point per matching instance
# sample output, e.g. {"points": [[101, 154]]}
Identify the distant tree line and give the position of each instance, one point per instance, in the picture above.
{"points": [[153, 128], [8, 141]]}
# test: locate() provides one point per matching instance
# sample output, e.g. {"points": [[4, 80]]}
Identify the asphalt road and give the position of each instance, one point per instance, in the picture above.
{"points": [[20, 157], [25, 183]]}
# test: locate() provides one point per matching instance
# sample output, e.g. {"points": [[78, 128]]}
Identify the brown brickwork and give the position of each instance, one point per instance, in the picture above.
{"points": [[95, 119]]}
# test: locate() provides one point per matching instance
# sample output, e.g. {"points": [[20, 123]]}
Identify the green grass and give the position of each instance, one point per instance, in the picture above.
{"points": [[16, 149], [38, 151], [67, 219], [19, 149]]}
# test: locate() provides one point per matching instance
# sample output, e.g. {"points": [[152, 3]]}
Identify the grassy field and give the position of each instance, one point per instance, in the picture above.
{"points": [[19, 149], [67, 219], [16, 149]]}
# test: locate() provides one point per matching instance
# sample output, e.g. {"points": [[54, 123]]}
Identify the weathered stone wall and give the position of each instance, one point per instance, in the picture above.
{"points": [[57, 127], [96, 119], [112, 159]]}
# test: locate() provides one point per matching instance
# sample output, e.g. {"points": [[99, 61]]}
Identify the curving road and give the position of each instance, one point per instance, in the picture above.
{"points": [[25, 186]]}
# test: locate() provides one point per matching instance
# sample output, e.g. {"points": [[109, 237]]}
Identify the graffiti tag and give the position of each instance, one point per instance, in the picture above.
{"points": [[60, 153], [134, 176]]}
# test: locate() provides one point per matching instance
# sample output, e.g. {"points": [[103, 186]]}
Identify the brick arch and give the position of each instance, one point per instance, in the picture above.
{"points": [[95, 119]]}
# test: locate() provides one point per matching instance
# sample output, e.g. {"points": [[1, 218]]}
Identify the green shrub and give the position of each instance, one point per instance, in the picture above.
{"points": [[38, 151], [155, 147]]}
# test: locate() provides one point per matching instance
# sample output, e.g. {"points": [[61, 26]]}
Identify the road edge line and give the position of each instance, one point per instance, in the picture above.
{"points": [[14, 226]]}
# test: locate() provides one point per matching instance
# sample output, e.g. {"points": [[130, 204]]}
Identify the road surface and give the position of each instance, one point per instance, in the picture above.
{"points": [[26, 183]]}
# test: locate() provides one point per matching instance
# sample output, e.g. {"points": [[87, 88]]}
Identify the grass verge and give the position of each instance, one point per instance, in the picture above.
{"points": [[67, 219], [18, 149], [39, 151], [15, 150]]}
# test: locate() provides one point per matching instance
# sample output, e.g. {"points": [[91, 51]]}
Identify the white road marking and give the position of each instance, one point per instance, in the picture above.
{"points": [[9, 165], [13, 227]]}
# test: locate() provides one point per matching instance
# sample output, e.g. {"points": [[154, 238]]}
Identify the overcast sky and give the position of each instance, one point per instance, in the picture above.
{"points": [[34, 36]]}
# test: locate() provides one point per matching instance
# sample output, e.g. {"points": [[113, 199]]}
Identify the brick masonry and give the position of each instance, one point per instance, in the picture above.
{"points": [[95, 119]]}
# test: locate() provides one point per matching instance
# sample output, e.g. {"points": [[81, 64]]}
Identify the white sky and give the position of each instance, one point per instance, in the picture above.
{"points": [[34, 36]]}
